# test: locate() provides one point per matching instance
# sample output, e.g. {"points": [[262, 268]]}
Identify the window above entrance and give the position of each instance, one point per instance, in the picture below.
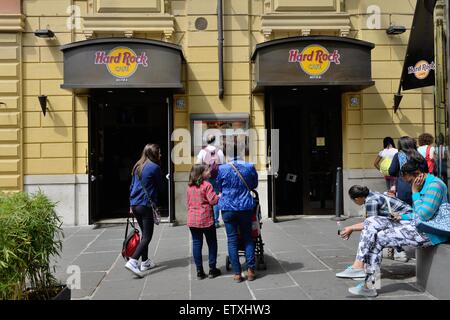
{"points": [[308, 16], [129, 17]]}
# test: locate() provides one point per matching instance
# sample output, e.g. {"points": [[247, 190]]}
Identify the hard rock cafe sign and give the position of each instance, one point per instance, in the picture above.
{"points": [[314, 60], [121, 62]]}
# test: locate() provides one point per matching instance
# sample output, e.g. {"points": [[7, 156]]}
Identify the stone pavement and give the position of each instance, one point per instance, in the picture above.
{"points": [[302, 257]]}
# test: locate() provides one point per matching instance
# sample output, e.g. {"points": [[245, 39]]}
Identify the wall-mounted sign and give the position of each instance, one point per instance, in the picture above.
{"points": [[320, 141], [355, 102], [314, 60], [419, 66], [121, 62], [180, 104], [421, 69]]}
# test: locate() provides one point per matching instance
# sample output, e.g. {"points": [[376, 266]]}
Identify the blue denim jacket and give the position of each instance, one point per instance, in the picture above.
{"points": [[235, 195]]}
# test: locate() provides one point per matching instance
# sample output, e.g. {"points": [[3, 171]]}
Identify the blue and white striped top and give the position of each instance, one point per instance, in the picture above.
{"points": [[427, 202]]}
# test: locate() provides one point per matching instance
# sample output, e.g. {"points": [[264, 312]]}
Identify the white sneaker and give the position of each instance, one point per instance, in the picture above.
{"points": [[400, 256], [352, 273], [147, 265], [361, 290], [133, 266]]}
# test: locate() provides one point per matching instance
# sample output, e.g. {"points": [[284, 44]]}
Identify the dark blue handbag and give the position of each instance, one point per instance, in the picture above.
{"points": [[439, 224]]}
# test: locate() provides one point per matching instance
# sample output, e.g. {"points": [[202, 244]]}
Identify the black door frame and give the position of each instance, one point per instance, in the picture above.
{"points": [[92, 164], [269, 122]]}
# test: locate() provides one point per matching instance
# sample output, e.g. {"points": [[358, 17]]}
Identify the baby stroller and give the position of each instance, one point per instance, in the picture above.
{"points": [[256, 236]]}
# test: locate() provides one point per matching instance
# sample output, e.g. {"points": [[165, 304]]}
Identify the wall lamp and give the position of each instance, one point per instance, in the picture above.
{"points": [[395, 30], [43, 103], [44, 33]]}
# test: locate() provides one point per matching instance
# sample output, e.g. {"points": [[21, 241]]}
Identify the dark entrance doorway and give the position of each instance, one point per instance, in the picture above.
{"points": [[310, 149], [121, 123]]}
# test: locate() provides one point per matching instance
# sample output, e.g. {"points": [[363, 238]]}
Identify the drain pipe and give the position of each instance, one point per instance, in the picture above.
{"points": [[220, 46]]}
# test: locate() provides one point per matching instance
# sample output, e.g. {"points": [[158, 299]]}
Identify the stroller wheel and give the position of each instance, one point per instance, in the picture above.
{"points": [[227, 263]]}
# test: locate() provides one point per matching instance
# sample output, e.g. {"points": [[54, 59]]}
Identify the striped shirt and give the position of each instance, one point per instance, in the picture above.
{"points": [[427, 202], [199, 201], [376, 205]]}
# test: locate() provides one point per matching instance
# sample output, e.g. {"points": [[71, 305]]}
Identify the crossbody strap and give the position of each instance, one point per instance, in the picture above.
{"points": [[240, 176], [388, 204]]}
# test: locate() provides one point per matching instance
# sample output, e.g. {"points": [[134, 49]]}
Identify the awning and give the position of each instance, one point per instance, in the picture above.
{"points": [[112, 63], [313, 61], [419, 66]]}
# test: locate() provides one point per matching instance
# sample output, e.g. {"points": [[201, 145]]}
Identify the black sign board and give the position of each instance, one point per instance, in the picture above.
{"points": [[122, 63], [313, 61], [419, 66]]}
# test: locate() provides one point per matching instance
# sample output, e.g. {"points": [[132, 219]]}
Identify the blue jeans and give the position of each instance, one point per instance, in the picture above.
{"points": [[216, 207], [197, 245], [242, 221], [216, 214]]}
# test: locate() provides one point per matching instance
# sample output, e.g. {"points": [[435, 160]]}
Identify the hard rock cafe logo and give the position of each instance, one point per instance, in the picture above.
{"points": [[314, 60], [422, 69], [121, 62]]}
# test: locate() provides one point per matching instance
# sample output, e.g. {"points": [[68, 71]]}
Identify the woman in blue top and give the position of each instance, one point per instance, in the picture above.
{"points": [[236, 204], [146, 174]]}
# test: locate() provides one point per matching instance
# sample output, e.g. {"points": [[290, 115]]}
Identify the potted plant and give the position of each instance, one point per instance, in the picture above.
{"points": [[30, 235]]}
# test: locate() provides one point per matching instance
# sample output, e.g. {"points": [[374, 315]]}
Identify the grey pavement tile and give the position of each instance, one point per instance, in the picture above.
{"points": [[290, 293], [101, 261], [207, 289], [405, 297], [105, 245], [397, 288], [323, 285], [300, 260], [76, 244], [171, 296], [330, 252], [119, 290], [338, 263], [166, 283]]}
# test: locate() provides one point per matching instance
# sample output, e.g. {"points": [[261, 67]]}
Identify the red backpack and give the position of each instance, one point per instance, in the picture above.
{"points": [[212, 160], [430, 161]]}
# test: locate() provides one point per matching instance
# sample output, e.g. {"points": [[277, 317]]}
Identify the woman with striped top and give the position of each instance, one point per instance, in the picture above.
{"points": [[429, 192]]}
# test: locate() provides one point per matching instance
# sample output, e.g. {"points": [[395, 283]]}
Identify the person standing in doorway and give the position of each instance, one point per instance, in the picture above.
{"points": [[213, 157], [384, 160], [200, 198], [234, 181], [146, 185], [427, 150]]}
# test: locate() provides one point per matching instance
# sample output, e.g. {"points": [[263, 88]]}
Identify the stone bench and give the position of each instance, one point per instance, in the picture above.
{"points": [[433, 270]]}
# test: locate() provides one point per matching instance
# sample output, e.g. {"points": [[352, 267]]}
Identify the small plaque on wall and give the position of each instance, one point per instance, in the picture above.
{"points": [[320, 141], [354, 102], [180, 104]]}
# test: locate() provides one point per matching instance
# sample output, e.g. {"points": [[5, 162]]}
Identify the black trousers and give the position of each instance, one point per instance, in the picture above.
{"points": [[144, 217]]}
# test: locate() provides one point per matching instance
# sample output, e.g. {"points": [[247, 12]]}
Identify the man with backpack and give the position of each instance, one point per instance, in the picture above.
{"points": [[212, 156]]}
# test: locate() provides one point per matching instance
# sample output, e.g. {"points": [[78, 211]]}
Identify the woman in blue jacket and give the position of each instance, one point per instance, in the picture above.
{"points": [[236, 204], [146, 184]]}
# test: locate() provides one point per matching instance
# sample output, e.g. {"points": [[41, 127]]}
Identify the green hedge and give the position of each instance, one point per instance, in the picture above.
{"points": [[30, 234]]}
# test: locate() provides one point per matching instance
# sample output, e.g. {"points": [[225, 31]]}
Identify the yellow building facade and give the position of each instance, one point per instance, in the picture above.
{"points": [[51, 151]]}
